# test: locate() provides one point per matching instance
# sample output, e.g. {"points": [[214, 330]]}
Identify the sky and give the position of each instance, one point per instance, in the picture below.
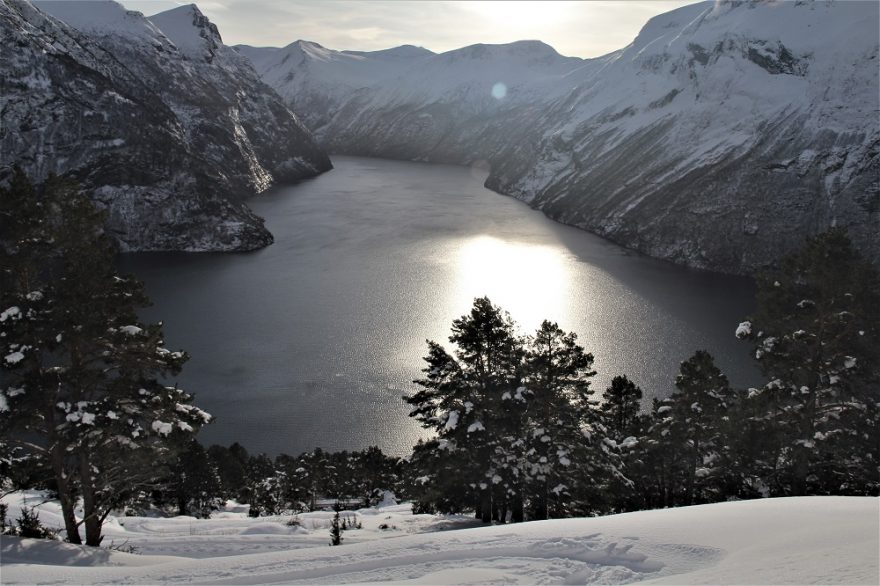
{"points": [[579, 29]]}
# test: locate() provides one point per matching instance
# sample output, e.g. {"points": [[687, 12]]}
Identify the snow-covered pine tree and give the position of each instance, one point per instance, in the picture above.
{"points": [[660, 459], [265, 487], [817, 338], [336, 526], [558, 373], [625, 423], [461, 399], [82, 379], [699, 412]]}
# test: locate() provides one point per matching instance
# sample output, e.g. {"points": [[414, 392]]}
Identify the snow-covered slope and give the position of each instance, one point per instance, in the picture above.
{"points": [[316, 81], [408, 103], [170, 139], [821, 540], [719, 138]]}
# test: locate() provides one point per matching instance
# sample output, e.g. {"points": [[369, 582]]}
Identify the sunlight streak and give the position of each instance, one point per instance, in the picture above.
{"points": [[529, 281]]}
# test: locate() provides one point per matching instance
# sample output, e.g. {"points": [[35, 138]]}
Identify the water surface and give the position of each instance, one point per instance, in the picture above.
{"points": [[312, 341]]}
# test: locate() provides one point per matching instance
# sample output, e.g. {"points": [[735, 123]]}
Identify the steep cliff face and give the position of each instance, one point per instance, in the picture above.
{"points": [[719, 138], [170, 140]]}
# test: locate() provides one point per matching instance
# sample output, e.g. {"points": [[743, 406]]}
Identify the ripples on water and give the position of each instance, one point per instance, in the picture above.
{"points": [[312, 341]]}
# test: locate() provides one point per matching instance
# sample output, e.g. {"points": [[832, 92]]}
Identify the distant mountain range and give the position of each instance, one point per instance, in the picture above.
{"points": [[725, 133], [168, 127], [719, 138]]}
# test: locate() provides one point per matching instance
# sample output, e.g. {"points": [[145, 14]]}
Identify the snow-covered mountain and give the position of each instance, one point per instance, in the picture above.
{"points": [[725, 133], [170, 131]]}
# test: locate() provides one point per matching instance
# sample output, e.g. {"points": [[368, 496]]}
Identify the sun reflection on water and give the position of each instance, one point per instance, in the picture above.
{"points": [[530, 281]]}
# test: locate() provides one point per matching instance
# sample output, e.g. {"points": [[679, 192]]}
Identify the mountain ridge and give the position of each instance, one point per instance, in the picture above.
{"points": [[719, 138]]}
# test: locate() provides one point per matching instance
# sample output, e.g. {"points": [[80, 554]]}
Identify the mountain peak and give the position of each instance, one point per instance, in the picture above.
{"points": [[193, 33], [102, 17]]}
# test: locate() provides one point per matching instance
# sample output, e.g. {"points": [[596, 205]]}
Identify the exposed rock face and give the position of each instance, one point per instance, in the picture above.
{"points": [[720, 138], [170, 132]]}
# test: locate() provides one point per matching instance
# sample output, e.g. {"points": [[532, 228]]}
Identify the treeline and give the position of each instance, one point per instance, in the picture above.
{"points": [[519, 434], [202, 480]]}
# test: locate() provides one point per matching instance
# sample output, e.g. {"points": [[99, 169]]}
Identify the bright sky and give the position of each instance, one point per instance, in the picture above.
{"points": [[581, 29]]}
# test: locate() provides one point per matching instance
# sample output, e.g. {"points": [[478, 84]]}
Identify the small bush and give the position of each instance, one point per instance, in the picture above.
{"points": [[124, 547], [29, 526], [294, 522]]}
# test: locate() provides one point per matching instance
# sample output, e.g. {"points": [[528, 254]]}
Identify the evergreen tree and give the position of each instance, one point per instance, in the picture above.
{"points": [[82, 383], [699, 410], [231, 465], [335, 526], [462, 400], [817, 338], [661, 458], [621, 408], [265, 487], [558, 378], [197, 487]]}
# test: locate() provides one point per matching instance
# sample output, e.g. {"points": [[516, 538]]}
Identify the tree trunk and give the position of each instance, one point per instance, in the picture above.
{"points": [[518, 508], [65, 494], [486, 506], [91, 517]]}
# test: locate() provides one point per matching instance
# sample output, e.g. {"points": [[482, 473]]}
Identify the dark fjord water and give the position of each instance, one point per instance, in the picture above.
{"points": [[313, 340]]}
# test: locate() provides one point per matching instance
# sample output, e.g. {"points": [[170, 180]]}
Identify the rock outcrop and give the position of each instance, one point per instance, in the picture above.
{"points": [[170, 133]]}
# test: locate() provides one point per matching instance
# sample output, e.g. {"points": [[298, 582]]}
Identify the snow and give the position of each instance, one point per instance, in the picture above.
{"points": [[829, 540], [180, 25], [451, 420], [476, 426], [14, 357], [161, 427], [131, 330], [102, 17], [10, 313], [744, 329]]}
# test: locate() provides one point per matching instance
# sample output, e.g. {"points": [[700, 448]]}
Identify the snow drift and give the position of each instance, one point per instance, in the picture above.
{"points": [[827, 540]]}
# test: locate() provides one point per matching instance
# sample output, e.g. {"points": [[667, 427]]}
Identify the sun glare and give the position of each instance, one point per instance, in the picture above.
{"points": [[529, 281], [520, 14]]}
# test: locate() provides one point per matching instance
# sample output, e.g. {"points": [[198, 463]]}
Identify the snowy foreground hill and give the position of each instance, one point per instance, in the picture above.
{"points": [[718, 138], [822, 540]]}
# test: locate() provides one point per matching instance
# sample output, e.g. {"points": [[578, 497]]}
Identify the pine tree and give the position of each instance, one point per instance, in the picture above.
{"points": [[83, 375], [558, 378], [231, 465], [265, 487], [621, 408], [817, 338], [699, 409], [335, 526], [196, 483], [462, 400]]}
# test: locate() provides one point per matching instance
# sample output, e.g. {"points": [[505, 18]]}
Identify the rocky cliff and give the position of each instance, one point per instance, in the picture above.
{"points": [[169, 132]]}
